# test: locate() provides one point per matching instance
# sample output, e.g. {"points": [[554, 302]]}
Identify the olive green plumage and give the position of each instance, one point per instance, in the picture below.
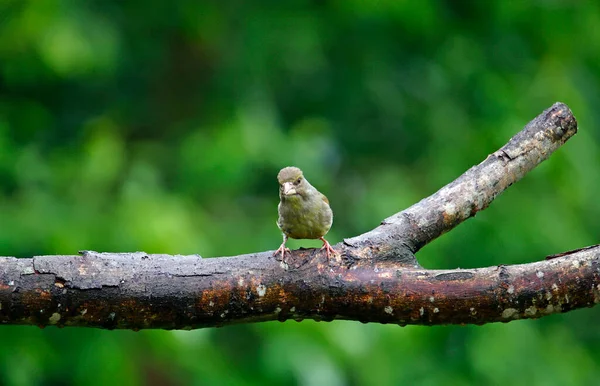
{"points": [[304, 212]]}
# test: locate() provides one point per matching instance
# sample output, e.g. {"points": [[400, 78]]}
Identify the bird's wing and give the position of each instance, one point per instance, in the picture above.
{"points": [[279, 219]]}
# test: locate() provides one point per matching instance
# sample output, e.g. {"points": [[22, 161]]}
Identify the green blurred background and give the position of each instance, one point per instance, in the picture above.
{"points": [[160, 126]]}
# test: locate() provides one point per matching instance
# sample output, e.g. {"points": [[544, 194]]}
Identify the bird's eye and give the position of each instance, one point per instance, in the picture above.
{"points": [[298, 180]]}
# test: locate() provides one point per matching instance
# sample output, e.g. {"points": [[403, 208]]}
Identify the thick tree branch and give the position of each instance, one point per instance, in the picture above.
{"points": [[159, 291], [377, 278]]}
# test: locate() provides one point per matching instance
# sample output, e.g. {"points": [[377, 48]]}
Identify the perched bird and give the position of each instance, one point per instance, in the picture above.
{"points": [[304, 212]]}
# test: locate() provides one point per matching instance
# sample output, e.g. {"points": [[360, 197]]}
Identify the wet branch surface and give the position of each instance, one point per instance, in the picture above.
{"points": [[376, 277]]}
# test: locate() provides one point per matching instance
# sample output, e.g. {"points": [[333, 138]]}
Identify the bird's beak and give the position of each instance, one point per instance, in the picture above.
{"points": [[288, 189]]}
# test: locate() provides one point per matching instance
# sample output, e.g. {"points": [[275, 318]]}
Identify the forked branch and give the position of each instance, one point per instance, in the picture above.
{"points": [[376, 278]]}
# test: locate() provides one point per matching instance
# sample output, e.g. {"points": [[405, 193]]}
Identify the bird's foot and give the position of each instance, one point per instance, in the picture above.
{"points": [[328, 248], [282, 249]]}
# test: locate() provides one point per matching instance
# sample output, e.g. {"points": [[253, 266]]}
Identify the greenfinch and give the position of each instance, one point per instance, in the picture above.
{"points": [[304, 212]]}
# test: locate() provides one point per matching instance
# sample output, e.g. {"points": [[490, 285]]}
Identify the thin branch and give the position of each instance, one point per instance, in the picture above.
{"points": [[377, 278], [472, 192]]}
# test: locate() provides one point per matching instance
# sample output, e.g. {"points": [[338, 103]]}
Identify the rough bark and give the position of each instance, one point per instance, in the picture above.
{"points": [[375, 279]]}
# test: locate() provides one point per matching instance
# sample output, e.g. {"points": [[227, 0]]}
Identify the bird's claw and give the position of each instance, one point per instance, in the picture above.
{"points": [[328, 248], [282, 249]]}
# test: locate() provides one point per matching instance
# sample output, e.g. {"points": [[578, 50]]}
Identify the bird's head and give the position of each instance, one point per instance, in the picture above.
{"points": [[292, 182]]}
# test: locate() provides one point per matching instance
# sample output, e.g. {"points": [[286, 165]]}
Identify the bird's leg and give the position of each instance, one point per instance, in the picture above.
{"points": [[283, 249], [327, 247]]}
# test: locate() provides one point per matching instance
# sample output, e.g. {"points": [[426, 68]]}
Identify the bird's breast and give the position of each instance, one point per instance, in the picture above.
{"points": [[304, 219]]}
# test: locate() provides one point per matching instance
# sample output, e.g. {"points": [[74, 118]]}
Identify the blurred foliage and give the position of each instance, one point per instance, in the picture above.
{"points": [[160, 126]]}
